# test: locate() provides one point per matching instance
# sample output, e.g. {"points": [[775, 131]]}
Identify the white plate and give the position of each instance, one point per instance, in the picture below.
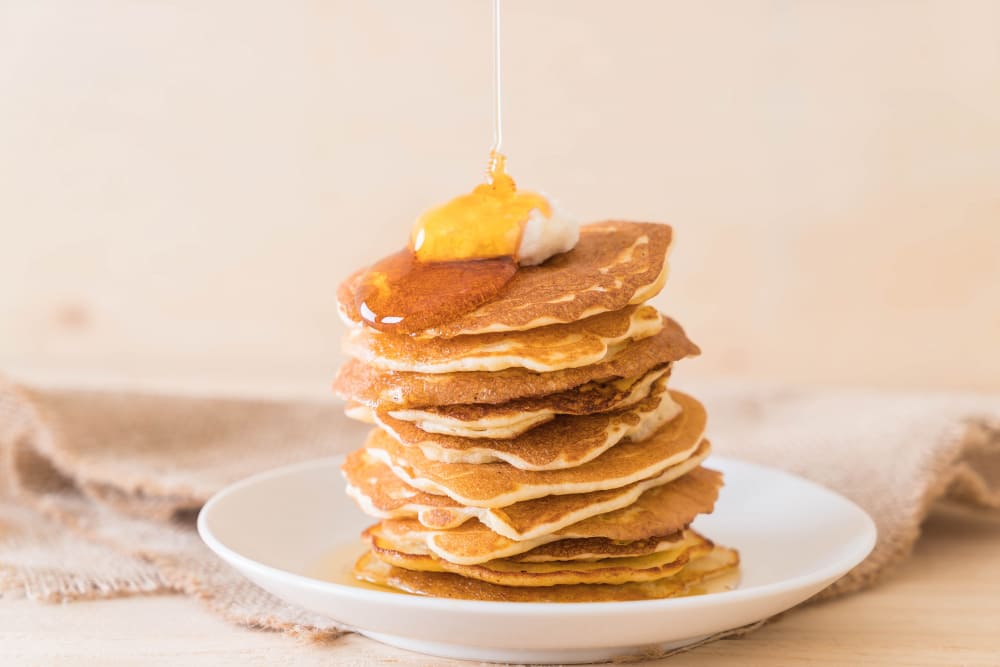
{"points": [[289, 530]]}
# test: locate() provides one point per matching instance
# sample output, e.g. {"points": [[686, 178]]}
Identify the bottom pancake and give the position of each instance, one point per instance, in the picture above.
{"points": [[717, 563], [604, 571]]}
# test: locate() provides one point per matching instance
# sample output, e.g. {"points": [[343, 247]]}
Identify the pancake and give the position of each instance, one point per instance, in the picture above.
{"points": [[542, 350], [611, 571], [716, 564], [380, 493], [563, 442], [359, 412], [403, 536], [595, 548], [615, 264], [660, 510], [364, 383], [501, 484], [395, 536], [509, 420], [534, 518]]}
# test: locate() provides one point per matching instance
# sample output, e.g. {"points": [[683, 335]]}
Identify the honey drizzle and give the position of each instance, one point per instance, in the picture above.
{"points": [[497, 96], [462, 253], [485, 223]]}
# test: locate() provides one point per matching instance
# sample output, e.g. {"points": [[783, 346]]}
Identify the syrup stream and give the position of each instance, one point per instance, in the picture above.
{"points": [[497, 96], [462, 253]]}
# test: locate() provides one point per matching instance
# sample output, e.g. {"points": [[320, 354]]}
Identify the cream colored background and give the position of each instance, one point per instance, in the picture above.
{"points": [[183, 184]]}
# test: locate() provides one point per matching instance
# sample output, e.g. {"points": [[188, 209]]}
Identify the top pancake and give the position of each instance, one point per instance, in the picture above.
{"points": [[543, 350], [363, 383], [615, 264]]}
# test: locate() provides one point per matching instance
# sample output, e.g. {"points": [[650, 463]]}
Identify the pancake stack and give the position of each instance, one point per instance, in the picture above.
{"points": [[530, 450]]}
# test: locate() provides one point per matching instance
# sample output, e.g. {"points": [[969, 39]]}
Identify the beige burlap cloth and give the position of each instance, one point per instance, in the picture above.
{"points": [[99, 489]]}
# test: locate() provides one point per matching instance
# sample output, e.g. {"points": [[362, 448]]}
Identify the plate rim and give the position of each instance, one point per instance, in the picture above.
{"points": [[830, 572]]}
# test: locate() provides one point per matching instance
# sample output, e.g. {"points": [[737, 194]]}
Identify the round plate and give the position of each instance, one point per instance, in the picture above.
{"points": [[294, 532]]}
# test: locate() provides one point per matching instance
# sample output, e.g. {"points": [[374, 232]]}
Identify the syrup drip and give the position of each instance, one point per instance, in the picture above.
{"points": [[461, 254]]}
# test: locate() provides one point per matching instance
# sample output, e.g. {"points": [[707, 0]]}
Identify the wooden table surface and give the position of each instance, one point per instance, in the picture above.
{"points": [[942, 607]]}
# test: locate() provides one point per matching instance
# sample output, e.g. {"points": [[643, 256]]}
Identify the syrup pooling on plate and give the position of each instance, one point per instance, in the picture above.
{"points": [[461, 255]]}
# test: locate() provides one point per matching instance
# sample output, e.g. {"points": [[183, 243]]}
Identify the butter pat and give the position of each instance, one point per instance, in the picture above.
{"points": [[544, 237]]}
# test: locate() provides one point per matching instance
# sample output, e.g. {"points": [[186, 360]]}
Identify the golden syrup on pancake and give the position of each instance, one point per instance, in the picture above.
{"points": [[461, 255], [401, 294]]}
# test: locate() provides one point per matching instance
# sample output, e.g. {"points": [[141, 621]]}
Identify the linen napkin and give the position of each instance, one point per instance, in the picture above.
{"points": [[99, 489]]}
